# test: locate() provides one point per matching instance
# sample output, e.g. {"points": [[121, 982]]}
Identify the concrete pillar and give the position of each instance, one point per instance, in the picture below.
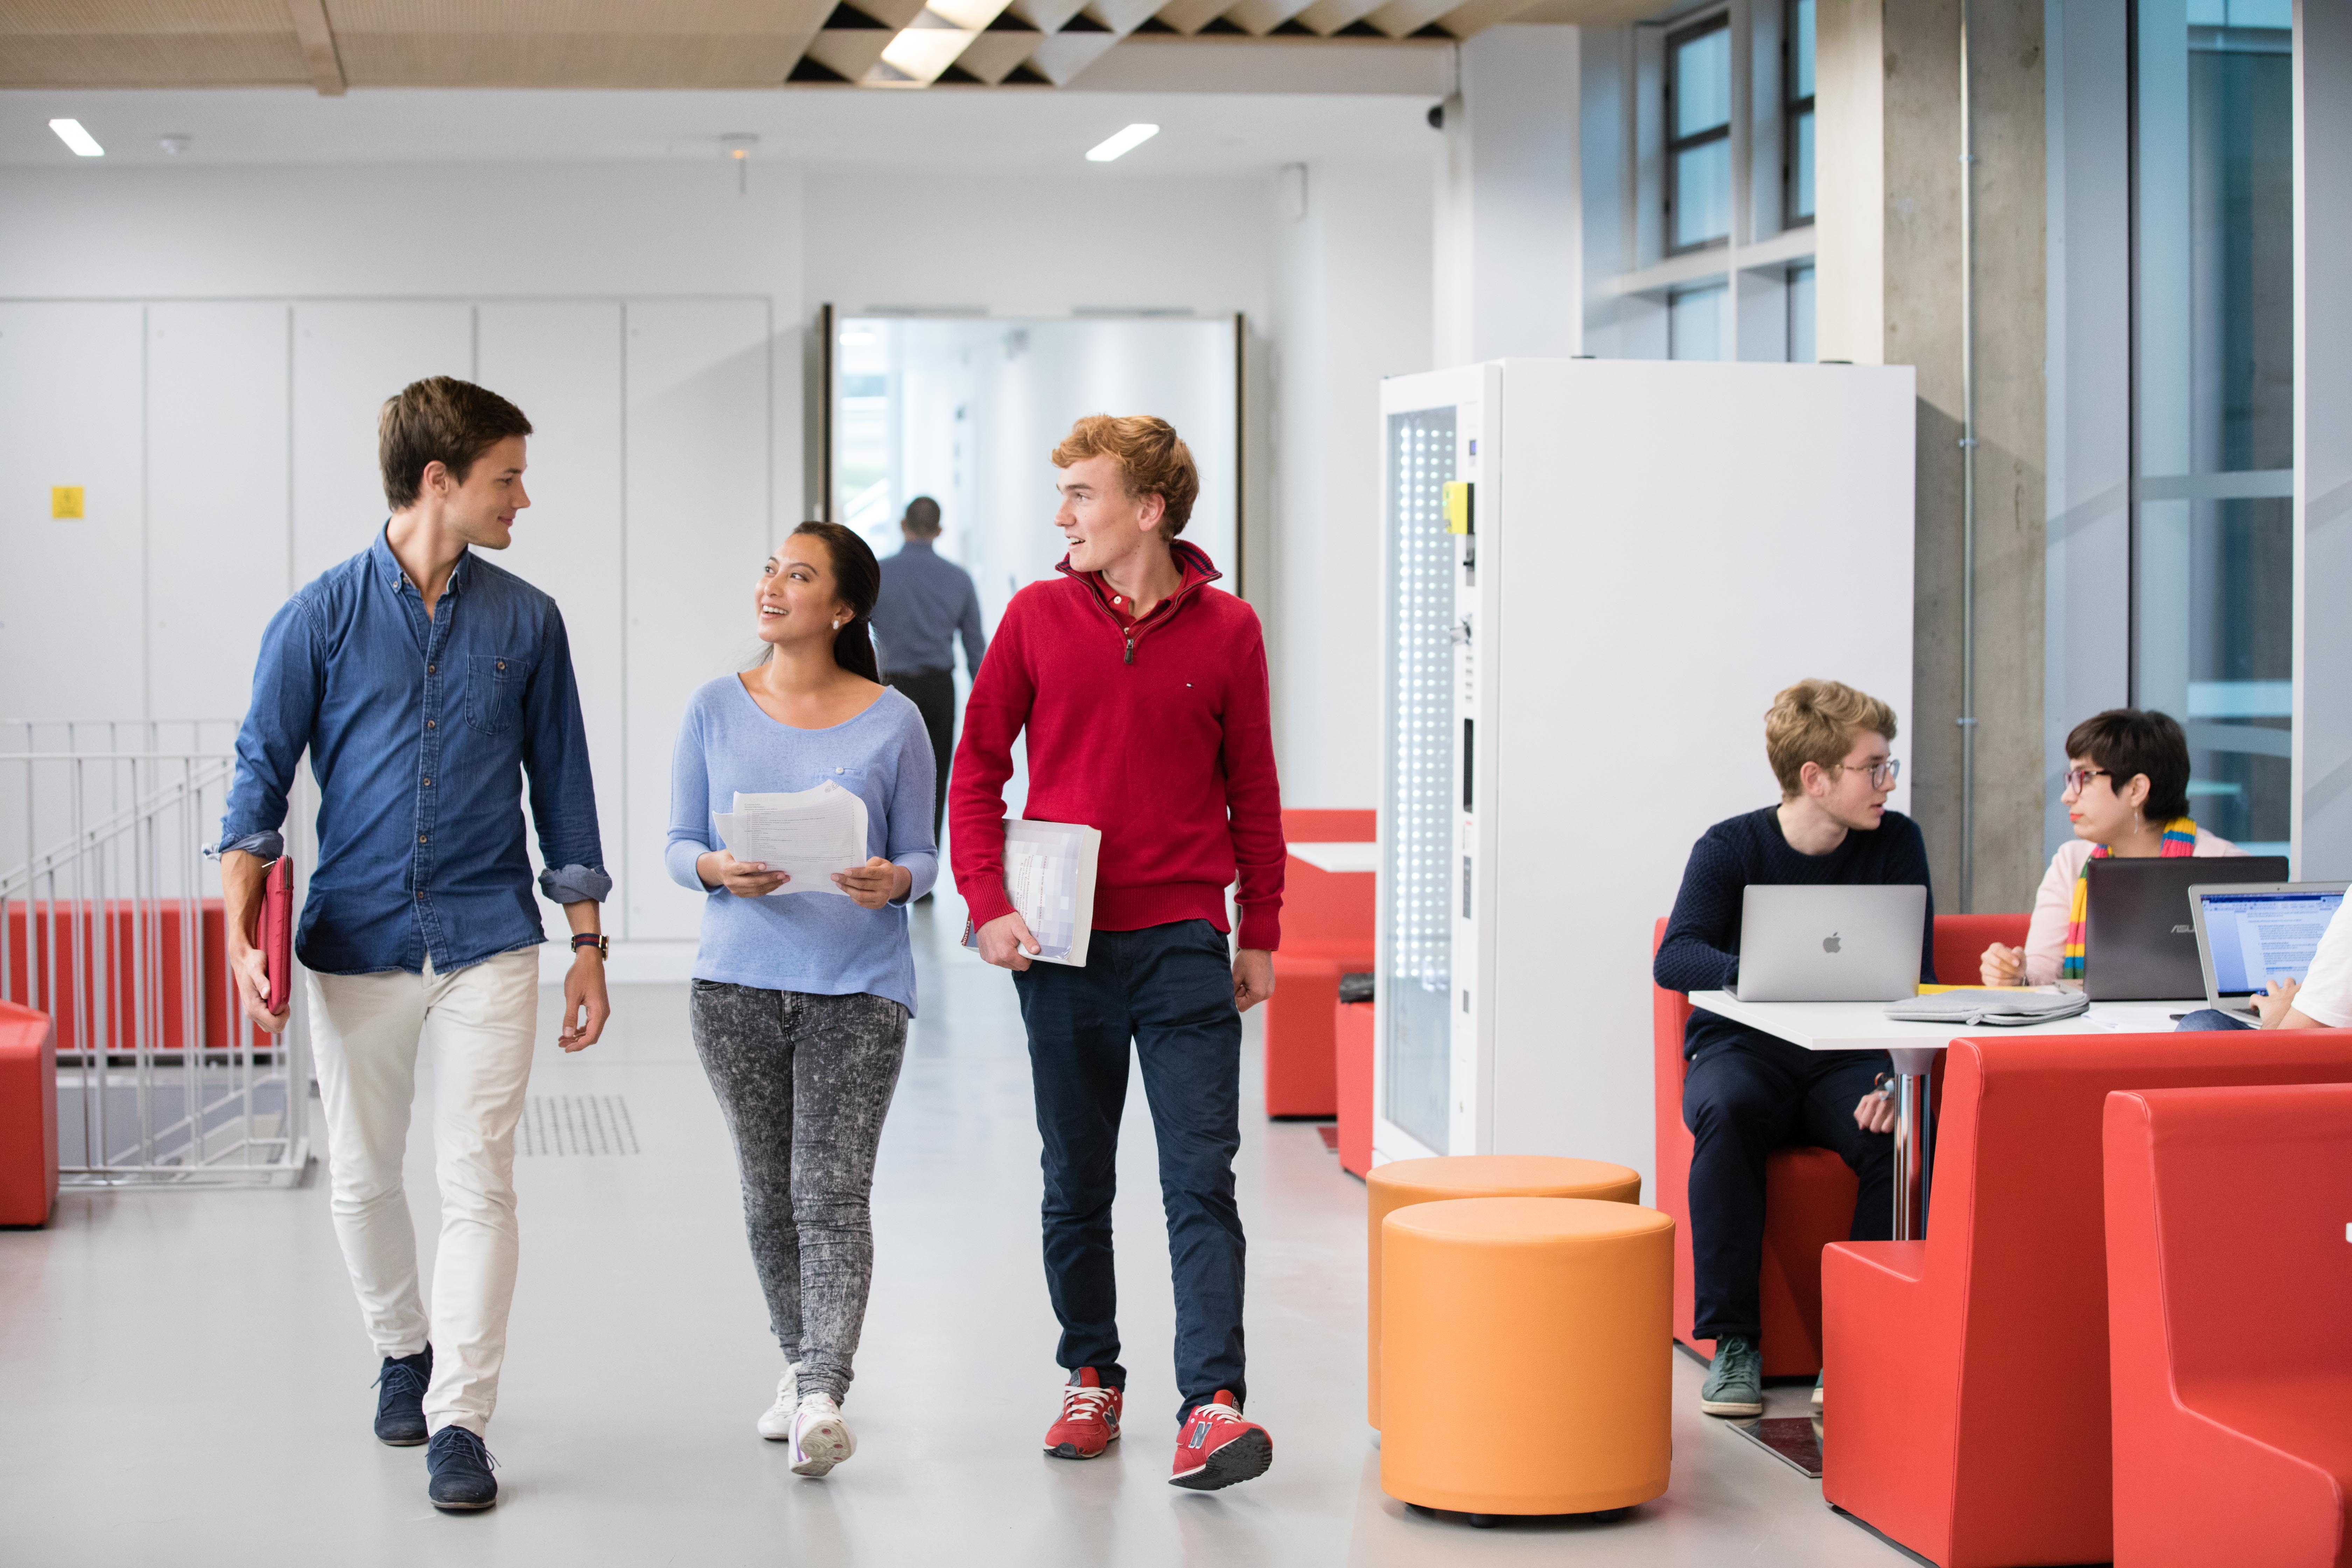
{"points": [[1890, 257], [2322, 456]]}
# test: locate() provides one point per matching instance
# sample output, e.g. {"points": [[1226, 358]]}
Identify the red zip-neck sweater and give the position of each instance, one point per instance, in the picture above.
{"points": [[1157, 731]]}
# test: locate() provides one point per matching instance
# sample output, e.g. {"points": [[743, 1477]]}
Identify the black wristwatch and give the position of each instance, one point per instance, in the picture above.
{"points": [[596, 940]]}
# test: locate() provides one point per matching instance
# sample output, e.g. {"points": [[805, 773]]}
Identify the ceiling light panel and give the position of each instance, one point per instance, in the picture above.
{"points": [[83, 143], [1119, 145]]}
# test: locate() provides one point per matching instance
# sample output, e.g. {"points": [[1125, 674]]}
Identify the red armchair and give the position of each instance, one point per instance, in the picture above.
{"points": [[1808, 1193], [1968, 1373], [2230, 1325], [1327, 931], [28, 1116]]}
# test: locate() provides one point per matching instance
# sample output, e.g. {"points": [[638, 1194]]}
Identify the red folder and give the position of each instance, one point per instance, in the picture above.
{"points": [[275, 936]]}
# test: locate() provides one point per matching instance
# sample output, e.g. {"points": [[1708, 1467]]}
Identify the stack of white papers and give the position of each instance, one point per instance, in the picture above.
{"points": [[1049, 878], [807, 834]]}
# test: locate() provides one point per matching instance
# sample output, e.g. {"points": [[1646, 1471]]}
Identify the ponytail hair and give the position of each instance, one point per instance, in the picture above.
{"points": [[857, 583]]}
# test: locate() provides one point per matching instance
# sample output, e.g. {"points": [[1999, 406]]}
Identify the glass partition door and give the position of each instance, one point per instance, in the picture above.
{"points": [[2213, 398]]}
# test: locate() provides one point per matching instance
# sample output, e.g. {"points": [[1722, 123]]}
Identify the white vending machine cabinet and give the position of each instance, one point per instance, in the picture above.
{"points": [[1597, 573]]}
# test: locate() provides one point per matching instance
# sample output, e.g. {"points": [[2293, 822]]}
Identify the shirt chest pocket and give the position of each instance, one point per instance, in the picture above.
{"points": [[494, 685]]}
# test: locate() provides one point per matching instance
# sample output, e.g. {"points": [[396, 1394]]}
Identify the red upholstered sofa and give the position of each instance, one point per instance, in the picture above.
{"points": [[28, 1116], [2230, 1325], [1327, 931], [45, 939], [1808, 1193], [1967, 1387]]}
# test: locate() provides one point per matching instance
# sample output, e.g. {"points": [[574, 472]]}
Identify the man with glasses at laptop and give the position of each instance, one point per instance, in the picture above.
{"points": [[1745, 1093]]}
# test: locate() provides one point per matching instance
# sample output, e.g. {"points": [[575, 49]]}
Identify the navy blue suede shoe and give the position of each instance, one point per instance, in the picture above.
{"points": [[400, 1398], [460, 1467]]}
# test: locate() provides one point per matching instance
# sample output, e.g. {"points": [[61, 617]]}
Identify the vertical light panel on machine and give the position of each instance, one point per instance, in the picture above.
{"points": [[1418, 835]]}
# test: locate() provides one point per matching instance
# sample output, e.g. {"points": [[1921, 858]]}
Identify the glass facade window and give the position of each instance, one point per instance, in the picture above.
{"points": [[1694, 325], [1800, 314], [1418, 842], [2212, 545], [1698, 136], [1797, 132]]}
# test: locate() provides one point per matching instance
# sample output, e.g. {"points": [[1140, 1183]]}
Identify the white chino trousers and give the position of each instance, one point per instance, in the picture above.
{"points": [[479, 1023]]}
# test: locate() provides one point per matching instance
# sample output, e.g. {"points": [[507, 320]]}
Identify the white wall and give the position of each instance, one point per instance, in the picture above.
{"points": [[1354, 304], [1510, 210], [1037, 244]]}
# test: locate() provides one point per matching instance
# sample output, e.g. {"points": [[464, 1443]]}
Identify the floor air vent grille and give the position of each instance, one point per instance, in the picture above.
{"points": [[576, 1124]]}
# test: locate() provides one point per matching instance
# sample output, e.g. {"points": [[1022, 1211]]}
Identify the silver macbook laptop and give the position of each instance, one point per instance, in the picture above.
{"points": [[1810, 943], [2250, 933]]}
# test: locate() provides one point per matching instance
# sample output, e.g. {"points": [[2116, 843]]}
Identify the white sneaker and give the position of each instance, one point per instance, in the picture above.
{"points": [[821, 1438], [776, 1422]]}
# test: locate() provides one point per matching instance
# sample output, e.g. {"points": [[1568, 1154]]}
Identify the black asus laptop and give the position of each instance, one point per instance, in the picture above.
{"points": [[2140, 931]]}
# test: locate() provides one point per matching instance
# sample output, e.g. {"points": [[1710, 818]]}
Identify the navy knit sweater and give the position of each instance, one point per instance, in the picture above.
{"points": [[1701, 951]]}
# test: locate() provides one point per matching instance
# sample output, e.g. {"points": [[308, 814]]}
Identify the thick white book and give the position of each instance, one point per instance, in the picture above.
{"points": [[1049, 878]]}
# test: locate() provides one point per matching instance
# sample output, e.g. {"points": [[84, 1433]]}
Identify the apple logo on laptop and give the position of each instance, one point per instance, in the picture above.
{"points": [[1829, 942]]}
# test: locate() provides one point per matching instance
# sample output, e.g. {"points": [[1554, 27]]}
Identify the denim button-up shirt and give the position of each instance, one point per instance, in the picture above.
{"points": [[416, 730]]}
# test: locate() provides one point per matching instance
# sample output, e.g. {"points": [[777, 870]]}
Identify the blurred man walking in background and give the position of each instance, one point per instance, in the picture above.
{"points": [[925, 602]]}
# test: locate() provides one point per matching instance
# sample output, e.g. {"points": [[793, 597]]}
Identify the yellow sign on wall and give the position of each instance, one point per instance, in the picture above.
{"points": [[65, 500]]}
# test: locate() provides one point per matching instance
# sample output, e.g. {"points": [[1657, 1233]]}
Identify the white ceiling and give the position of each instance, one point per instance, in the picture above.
{"points": [[1201, 133]]}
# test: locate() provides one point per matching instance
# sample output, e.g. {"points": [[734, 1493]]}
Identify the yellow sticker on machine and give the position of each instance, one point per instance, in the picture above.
{"points": [[1457, 506]]}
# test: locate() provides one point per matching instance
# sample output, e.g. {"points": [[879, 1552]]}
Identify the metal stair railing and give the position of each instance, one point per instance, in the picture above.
{"points": [[112, 923]]}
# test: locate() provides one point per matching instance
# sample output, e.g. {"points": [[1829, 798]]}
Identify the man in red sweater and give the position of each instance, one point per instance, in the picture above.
{"points": [[1144, 693]]}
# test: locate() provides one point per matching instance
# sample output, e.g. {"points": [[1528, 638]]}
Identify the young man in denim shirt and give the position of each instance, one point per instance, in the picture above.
{"points": [[424, 682]]}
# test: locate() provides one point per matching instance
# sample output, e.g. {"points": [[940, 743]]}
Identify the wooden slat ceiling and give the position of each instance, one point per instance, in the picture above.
{"points": [[333, 44]]}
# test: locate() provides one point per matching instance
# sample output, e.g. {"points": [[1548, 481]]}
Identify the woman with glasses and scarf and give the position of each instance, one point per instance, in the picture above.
{"points": [[2127, 795]]}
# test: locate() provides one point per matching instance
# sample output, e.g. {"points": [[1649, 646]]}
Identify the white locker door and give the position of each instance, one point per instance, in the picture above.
{"points": [[348, 358], [219, 547], [561, 364], [698, 507], [69, 601]]}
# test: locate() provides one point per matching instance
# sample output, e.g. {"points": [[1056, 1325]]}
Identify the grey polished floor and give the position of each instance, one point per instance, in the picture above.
{"points": [[185, 1379]]}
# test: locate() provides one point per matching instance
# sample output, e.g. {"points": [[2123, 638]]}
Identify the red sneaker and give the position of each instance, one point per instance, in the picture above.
{"points": [[1216, 1448], [1090, 1422]]}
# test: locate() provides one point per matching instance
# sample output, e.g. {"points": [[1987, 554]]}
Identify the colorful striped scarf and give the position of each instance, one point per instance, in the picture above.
{"points": [[2180, 840]]}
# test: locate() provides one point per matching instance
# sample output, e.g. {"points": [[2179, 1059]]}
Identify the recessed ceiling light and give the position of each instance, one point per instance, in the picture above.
{"points": [[71, 133], [1126, 142]]}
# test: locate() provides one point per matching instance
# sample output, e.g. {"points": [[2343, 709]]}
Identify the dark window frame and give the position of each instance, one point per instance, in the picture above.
{"points": [[1792, 109], [1720, 22]]}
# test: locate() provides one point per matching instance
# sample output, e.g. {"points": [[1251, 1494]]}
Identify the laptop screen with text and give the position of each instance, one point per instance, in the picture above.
{"points": [[2257, 937]]}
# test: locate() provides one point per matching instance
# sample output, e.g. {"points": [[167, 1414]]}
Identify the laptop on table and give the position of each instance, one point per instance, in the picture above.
{"points": [[1810, 943], [2140, 935], [2249, 934]]}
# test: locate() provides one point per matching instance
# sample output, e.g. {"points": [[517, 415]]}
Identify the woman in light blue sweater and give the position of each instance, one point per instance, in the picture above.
{"points": [[800, 1001]]}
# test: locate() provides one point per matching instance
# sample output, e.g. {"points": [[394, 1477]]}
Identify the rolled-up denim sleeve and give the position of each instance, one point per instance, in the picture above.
{"points": [[275, 731], [562, 791]]}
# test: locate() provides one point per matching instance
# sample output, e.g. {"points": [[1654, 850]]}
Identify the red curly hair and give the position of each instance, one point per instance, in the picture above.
{"points": [[1152, 461]]}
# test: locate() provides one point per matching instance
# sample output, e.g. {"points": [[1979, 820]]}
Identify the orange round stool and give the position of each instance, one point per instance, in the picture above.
{"points": [[1527, 1355], [1392, 1186]]}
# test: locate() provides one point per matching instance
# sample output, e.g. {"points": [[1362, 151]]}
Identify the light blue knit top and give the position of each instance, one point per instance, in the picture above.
{"points": [[818, 942]]}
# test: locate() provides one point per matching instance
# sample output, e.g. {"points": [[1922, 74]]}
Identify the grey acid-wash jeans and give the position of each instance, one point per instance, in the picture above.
{"points": [[804, 1081]]}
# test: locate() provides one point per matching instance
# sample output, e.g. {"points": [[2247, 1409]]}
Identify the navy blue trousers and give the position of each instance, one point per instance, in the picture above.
{"points": [[1744, 1096], [1169, 990]]}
